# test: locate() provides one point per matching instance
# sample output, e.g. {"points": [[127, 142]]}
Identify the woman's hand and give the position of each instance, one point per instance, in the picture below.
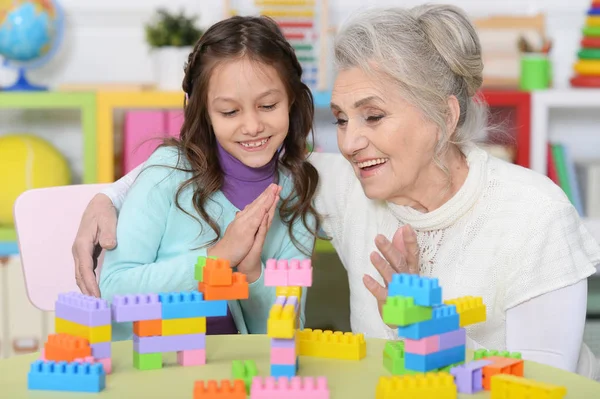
{"points": [[399, 256], [97, 231], [240, 235], [251, 265]]}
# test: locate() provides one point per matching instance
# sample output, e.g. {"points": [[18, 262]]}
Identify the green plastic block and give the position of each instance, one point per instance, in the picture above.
{"points": [[199, 269], [246, 371], [393, 358], [483, 353], [402, 311], [147, 361]]}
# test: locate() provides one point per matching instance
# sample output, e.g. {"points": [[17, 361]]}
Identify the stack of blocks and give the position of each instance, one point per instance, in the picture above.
{"points": [[289, 278]]}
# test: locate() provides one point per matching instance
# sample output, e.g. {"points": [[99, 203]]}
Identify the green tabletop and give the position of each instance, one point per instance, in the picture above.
{"points": [[347, 379]]}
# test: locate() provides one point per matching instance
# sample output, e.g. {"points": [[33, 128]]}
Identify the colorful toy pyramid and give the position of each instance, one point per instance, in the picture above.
{"points": [[587, 67]]}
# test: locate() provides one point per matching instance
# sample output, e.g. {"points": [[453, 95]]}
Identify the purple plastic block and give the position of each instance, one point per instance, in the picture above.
{"points": [[136, 308], [453, 338], [292, 300], [283, 343], [280, 300], [83, 309], [170, 343], [469, 376], [102, 350]]}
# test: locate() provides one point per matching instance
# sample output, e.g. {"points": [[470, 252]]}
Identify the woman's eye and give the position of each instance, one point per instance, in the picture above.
{"points": [[340, 122], [374, 118]]}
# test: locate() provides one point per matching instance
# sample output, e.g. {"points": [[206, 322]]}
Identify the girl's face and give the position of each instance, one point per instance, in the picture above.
{"points": [[248, 108]]}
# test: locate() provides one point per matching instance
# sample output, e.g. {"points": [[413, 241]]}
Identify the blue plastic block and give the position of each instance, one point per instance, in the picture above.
{"points": [[63, 376], [434, 361], [183, 305], [283, 370], [443, 319], [426, 291]]}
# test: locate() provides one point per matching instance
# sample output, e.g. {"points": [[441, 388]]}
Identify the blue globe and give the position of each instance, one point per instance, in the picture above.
{"points": [[30, 33]]}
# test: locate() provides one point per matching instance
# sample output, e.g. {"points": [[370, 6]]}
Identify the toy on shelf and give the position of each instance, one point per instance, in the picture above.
{"points": [[587, 66]]}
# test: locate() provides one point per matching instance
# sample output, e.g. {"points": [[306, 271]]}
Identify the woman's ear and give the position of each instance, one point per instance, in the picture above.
{"points": [[453, 115]]}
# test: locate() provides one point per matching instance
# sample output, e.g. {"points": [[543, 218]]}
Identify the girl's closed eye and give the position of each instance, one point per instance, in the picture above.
{"points": [[228, 113], [269, 107]]}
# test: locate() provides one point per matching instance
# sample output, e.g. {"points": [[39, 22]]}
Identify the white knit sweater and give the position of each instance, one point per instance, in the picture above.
{"points": [[508, 235]]}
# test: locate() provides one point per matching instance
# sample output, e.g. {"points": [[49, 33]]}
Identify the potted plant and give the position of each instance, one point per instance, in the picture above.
{"points": [[171, 37]]}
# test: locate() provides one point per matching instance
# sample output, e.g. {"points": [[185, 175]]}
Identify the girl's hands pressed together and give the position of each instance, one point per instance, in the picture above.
{"points": [[239, 237], [401, 255]]}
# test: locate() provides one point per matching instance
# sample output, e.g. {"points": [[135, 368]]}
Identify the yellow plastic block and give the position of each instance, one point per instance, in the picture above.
{"points": [[282, 322], [421, 386], [192, 325], [333, 345], [289, 291], [513, 387], [471, 309], [93, 334]]}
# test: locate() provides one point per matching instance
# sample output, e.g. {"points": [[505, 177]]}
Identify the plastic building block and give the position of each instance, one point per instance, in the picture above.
{"points": [[83, 309], [106, 363], [333, 345], [226, 390], [281, 273], [65, 347], [434, 361], [245, 371], [136, 307], [102, 350], [402, 311], [425, 386], [283, 355], [469, 376], [289, 291], [195, 325], [218, 273], [94, 335], [63, 376], [276, 273], [148, 328], [237, 290], [393, 358], [199, 267], [443, 319], [282, 318], [425, 290], [483, 353], [423, 346], [452, 339], [501, 365], [470, 309], [147, 361], [295, 387], [183, 305], [449, 367], [510, 386], [283, 343], [172, 343], [194, 357], [283, 370]]}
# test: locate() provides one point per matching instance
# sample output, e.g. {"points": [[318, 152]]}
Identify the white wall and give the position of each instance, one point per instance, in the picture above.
{"points": [[104, 43]]}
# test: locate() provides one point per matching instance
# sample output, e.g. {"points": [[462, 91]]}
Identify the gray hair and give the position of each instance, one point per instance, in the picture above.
{"points": [[431, 52]]}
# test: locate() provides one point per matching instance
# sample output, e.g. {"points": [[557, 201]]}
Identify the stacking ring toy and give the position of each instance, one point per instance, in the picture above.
{"points": [[587, 67], [585, 81], [589, 54]]}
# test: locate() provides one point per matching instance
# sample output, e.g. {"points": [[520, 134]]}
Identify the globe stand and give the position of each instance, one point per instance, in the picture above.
{"points": [[22, 84]]}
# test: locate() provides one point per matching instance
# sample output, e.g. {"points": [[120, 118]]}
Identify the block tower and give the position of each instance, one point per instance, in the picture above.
{"points": [[587, 66], [289, 277]]}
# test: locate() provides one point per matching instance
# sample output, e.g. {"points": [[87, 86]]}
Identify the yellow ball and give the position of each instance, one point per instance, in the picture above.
{"points": [[27, 162]]}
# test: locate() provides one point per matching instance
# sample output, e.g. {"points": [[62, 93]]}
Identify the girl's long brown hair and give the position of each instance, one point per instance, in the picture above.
{"points": [[259, 39]]}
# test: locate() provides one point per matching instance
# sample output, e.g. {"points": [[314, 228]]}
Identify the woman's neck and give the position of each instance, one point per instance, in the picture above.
{"points": [[434, 186], [242, 184]]}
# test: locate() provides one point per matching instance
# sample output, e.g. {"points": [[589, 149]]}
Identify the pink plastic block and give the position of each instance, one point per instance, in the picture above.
{"points": [[83, 309], [453, 339], [143, 132], [276, 273], [43, 355], [283, 355], [300, 273], [136, 308], [291, 388], [469, 376], [423, 346], [192, 357]]}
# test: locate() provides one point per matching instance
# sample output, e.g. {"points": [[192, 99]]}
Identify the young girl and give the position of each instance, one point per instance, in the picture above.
{"points": [[216, 190]]}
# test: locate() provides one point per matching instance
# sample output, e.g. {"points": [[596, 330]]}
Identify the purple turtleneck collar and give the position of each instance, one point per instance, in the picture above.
{"points": [[243, 184]]}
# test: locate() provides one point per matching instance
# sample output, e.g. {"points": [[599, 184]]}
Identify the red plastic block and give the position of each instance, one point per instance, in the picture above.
{"points": [[147, 328], [228, 390], [65, 347], [218, 273], [237, 290], [501, 365], [284, 387]]}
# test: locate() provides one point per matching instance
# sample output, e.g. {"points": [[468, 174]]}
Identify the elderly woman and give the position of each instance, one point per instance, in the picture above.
{"points": [[411, 184]]}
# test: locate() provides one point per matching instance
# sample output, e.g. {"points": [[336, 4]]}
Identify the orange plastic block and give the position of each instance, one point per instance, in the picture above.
{"points": [[237, 290], [233, 389], [65, 347], [501, 365], [148, 328], [510, 386], [332, 345], [218, 273]]}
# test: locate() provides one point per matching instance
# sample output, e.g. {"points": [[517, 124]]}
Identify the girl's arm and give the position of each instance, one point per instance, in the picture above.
{"points": [[131, 267], [117, 191]]}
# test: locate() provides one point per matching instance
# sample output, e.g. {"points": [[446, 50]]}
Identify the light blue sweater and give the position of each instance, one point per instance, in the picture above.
{"points": [[156, 243]]}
